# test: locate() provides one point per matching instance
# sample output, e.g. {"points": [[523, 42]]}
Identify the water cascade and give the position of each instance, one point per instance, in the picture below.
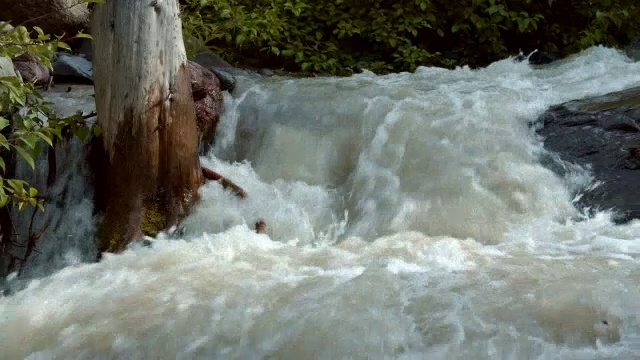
{"points": [[408, 216]]}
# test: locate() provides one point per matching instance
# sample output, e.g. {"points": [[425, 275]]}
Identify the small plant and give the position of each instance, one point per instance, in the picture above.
{"points": [[26, 122], [27, 125]]}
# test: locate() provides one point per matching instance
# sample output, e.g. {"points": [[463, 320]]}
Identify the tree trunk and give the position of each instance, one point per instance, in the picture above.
{"points": [[146, 112]]}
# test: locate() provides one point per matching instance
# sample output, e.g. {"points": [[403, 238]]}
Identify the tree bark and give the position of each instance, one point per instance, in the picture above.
{"points": [[146, 112]]}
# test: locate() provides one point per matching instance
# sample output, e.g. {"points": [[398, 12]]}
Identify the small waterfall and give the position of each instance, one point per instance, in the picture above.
{"points": [[67, 225]]}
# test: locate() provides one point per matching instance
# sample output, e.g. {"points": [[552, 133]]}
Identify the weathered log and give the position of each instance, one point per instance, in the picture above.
{"points": [[209, 174], [146, 111]]}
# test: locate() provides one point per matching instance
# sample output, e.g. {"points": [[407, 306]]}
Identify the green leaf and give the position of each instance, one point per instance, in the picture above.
{"points": [[97, 130], [64, 46], [82, 132], [25, 155], [83, 36], [3, 122], [45, 137], [30, 140]]}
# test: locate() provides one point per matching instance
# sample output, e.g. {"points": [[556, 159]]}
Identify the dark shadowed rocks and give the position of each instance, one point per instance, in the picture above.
{"points": [[72, 68], [601, 133]]}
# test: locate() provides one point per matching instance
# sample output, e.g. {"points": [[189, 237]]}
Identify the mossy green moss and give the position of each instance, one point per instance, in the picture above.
{"points": [[153, 220], [109, 240]]}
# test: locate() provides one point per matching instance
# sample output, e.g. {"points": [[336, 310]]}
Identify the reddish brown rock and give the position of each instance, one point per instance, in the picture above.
{"points": [[207, 95]]}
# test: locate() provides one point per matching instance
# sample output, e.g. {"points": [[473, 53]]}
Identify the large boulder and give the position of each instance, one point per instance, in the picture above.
{"points": [[53, 16], [208, 99], [601, 134], [31, 70]]}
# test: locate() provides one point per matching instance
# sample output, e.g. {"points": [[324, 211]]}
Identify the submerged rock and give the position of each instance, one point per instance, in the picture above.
{"points": [[602, 134]]}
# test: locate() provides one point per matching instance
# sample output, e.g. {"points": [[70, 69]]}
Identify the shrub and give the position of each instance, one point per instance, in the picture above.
{"points": [[336, 35]]}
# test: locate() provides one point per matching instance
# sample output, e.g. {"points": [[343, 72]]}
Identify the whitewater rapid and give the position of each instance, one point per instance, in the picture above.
{"points": [[408, 217]]}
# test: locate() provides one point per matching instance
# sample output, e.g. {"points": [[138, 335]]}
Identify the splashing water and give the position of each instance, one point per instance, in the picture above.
{"points": [[407, 216]]}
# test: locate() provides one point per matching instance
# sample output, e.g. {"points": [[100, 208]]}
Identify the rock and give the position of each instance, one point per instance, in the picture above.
{"points": [[603, 134], [55, 17], [546, 55], [227, 80], [74, 68], [203, 55], [85, 49], [31, 70], [265, 72], [633, 160], [210, 60], [208, 99], [633, 50]]}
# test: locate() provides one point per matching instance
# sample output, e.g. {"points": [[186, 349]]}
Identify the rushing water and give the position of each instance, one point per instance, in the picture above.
{"points": [[408, 217]]}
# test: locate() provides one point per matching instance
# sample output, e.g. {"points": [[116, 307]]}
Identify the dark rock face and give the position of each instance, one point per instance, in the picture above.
{"points": [[73, 68], [603, 134], [208, 59], [633, 49]]}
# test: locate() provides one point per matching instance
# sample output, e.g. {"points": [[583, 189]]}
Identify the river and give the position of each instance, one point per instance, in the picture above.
{"points": [[408, 217]]}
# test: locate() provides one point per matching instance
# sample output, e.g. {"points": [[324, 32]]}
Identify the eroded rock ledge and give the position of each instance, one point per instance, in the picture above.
{"points": [[601, 133]]}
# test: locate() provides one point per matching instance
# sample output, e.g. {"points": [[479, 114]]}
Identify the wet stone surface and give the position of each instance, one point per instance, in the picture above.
{"points": [[601, 134]]}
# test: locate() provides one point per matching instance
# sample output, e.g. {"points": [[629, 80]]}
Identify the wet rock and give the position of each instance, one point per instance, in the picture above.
{"points": [[31, 70], [73, 68], [546, 55], [266, 72], [85, 49], [227, 80], [55, 17], [633, 49], [633, 161], [210, 60], [602, 134], [208, 99]]}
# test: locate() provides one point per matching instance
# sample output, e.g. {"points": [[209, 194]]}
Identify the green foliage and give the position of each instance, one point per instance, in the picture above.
{"points": [[26, 122], [337, 35]]}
